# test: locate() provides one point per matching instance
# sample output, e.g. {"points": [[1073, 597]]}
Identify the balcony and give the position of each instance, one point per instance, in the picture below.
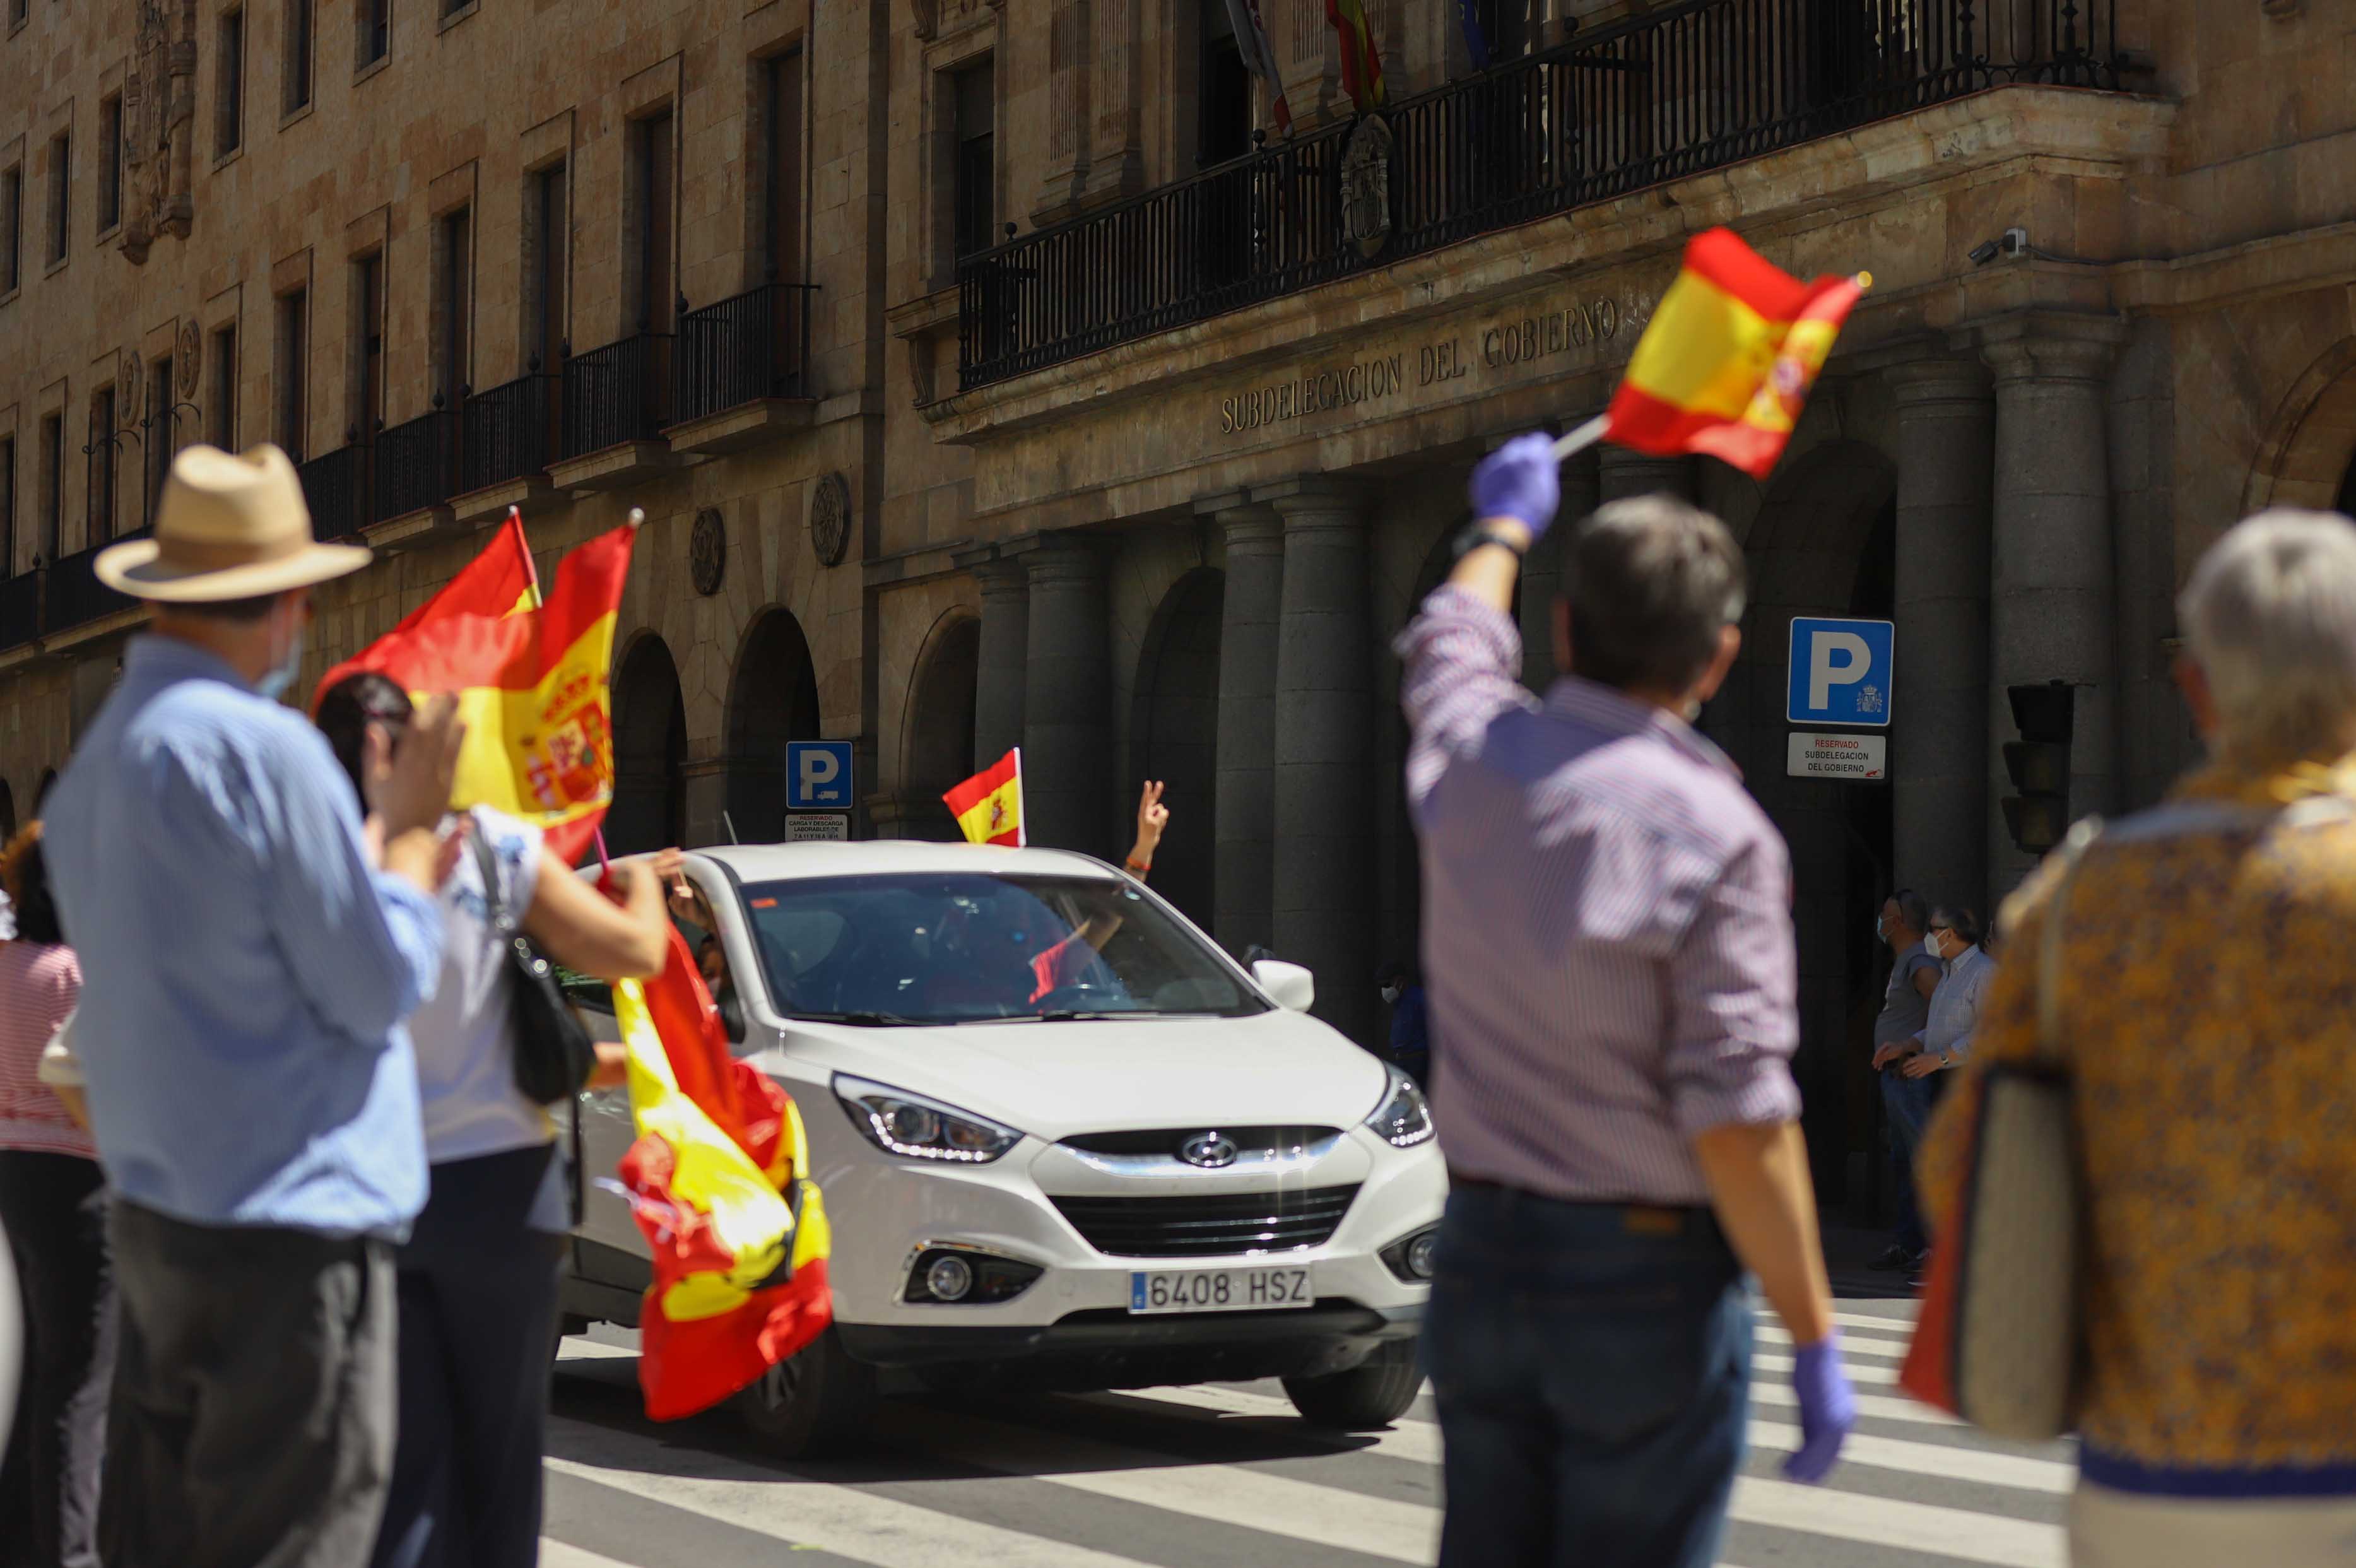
{"points": [[506, 438], [743, 368], [416, 464], [335, 486], [1686, 88], [20, 609], [617, 401], [74, 597]]}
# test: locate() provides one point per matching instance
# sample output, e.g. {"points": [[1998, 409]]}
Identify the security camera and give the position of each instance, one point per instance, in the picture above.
{"points": [[1985, 251]]}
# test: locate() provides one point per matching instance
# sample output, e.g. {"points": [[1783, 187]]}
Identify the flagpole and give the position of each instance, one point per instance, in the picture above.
{"points": [[1581, 439], [531, 566]]}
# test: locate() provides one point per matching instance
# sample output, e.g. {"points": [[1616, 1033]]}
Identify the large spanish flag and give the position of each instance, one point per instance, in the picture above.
{"points": [[1726, 365], [719, 1179], [1361, 63], [989, 806], [535, 692], [502, 581]]}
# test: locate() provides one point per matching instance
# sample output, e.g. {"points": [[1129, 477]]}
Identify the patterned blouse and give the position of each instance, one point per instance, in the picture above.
{"points": [[2209, 1027]]}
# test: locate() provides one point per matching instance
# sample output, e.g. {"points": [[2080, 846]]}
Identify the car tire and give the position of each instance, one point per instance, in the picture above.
{"points": [[1375, 1392], [812, 1403]]}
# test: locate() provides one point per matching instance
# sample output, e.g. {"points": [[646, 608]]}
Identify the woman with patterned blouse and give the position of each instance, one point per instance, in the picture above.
{"points": [[2208, 1000]]}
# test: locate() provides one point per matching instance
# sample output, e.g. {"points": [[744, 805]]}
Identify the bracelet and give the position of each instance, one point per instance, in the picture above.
{"points": [[1135, 869]]}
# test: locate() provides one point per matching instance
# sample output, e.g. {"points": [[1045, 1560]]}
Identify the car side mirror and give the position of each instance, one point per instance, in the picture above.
{"points": [[1289, 985], [732, 1015]]}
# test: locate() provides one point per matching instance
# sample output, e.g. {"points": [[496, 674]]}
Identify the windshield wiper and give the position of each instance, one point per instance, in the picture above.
{"points": [[1075, 1015], [864, 1019]]}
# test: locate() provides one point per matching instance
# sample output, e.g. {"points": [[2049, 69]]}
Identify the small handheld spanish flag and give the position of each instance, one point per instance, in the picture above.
{"points": [[989, 806], [1726, 365]]}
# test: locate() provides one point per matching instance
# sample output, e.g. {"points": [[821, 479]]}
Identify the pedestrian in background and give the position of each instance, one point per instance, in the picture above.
{"points": [[1411, 1036], [1946, 1042], [53, 1204], [477, 1277], [1608, 937], [1914, 974], [2208, 1044], [250, 949]]}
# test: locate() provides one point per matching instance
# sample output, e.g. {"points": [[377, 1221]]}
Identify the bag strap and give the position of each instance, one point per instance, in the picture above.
{"points": [[488, 865]]}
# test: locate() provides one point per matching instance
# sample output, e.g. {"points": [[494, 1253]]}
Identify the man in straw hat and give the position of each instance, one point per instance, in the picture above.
{"points": [[250, 947]]}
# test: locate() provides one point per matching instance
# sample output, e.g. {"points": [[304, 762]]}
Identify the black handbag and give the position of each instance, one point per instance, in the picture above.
{"points": [[554, 1056]]}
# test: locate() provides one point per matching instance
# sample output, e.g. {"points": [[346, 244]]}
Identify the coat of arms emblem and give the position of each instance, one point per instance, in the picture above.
{"points": [[1367, 186]]}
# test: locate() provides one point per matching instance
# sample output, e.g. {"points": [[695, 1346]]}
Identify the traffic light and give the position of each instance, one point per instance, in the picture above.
{"points": [[2039, 816]]}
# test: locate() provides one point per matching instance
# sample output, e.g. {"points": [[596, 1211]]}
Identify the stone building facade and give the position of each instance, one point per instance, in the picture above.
{"points": [[1130, 426]]}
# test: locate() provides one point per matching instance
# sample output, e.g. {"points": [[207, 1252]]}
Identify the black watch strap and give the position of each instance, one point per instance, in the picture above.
{"points": [[1476, 534]]}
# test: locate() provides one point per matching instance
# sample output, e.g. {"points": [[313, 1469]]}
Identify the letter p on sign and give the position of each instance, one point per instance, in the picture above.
{"points": [[1836, 659], [818, 774], [1840, 671]]}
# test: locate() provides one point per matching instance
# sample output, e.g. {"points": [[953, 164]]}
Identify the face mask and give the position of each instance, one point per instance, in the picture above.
{"points": [[281, 675], [1392, 993], [1882, 928]]}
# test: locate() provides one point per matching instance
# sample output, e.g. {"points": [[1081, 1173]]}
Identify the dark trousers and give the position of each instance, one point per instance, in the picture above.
{"points": [[478, 1337], [54, 1206], [1593, 1370], [1906, 1105], [252, 1425]]}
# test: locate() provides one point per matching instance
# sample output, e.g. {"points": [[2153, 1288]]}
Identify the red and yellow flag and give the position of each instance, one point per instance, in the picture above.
{"points": [[1361, 63], [989, 806], [1726, 365], [719, 1180], [502, 581]]}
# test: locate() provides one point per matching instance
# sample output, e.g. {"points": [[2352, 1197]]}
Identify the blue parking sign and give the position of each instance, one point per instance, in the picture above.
{"points": [[1840, 671], [818, 776]]}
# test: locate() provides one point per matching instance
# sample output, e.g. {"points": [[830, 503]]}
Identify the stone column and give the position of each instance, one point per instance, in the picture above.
{"points": [[1067, 771], [1542, 571], [1622, 473], [1245, 876], [1325, 782], [2050, 587], [1004, 655], [1939, 765], [1070, 61], [1117, 151]]}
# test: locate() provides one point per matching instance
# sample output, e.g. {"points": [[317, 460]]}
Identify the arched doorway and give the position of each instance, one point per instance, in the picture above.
{"points": [[8, 811], [936, 748], [649, 809], [772, 700], [1175, 736]]}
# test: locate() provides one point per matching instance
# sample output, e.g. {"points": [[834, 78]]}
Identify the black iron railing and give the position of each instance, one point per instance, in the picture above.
{"points": [[507, 432], [416, 464], [74, 597], [20, 609], [1683, 89], [616, 393], [335, 486], [739, 350]]}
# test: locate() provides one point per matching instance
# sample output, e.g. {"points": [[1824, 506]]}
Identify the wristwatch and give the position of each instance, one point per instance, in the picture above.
{"points": [[1476, 534]]}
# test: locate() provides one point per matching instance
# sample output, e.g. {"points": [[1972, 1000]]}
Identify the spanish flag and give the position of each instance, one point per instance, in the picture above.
{"points": [[989, 806], [1726, 365], [534, 690], [1362, 64], [719, 1179], [502, 581]]}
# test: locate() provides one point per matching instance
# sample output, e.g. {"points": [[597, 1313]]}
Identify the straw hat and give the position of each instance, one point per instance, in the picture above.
{"points": [[228, 528]]}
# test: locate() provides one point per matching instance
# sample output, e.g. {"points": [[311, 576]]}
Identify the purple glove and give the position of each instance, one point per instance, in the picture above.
{"points": [[1521, 480], [1828, 1409]]}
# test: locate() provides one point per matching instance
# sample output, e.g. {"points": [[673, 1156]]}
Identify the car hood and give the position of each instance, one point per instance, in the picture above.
{"points": [[1053, 1080]]}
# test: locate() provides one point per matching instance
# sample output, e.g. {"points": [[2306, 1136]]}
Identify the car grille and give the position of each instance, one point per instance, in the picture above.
{"points": [[1248, 1141], [1209, 1226]]}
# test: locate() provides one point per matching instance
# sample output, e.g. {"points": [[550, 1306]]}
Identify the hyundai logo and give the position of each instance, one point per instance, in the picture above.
{"points": [[1209, 1149]]}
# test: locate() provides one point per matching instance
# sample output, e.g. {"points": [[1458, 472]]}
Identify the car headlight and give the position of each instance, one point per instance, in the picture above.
{"points": [[1404, 1118], [915, 1128]]}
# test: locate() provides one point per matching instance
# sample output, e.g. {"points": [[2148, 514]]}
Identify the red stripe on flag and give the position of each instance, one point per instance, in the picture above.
{"points": [[1719, 256], [984, 784]]}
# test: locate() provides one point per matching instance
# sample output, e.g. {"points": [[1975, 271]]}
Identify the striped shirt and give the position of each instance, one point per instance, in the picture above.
{"points": [[1606, 928], [39, 982]]}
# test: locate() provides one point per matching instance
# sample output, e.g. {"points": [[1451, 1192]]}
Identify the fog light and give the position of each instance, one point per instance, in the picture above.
{"points": [[1411, 1258], [1419, 1254], [949, 1278]]}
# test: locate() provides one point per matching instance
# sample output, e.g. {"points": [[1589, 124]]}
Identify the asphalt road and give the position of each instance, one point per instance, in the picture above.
{"points": [[1224, 1476]]}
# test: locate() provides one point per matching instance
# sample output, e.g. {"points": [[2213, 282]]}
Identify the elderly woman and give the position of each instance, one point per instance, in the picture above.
{"points": [[2210, 1041]]}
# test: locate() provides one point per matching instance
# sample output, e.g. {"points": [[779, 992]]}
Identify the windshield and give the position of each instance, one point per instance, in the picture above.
{"points": [[963, 948]]}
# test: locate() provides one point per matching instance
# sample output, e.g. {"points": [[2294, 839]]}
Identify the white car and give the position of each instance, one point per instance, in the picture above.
{"points": [[1065, 1141]]}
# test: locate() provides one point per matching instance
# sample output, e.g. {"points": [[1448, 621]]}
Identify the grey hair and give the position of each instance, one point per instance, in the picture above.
{"points": [[1913, 909], [1651, 582], [2270, 616], [1956, 918]]}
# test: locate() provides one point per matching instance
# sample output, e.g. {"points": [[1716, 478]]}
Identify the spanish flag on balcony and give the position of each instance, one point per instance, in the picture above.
{"points": [[502, 581], [1362, 64], [1726, 365], [719, 1181], [989, 806]]}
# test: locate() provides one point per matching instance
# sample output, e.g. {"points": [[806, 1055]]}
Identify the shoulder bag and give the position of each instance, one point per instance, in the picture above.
{"points": [[554, 1056]]}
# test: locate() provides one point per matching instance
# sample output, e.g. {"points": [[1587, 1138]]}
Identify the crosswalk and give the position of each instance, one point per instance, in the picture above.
{"points": [[1224, 1476]]}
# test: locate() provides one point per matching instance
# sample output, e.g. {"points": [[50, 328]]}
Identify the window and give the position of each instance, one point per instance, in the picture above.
{"points": [[781, 96], [163, 429], [1504, 27], [973, 179], [19, 11], [375, 17], [12, 227], [368, 343], [453, 303], [61, 193], [101, 450], [53, 485], [229, 82], [109, 164], [298, 86], [289, 372], [7, 506], [546, 247], [650, 181], [1225, 92], [222, 425]]}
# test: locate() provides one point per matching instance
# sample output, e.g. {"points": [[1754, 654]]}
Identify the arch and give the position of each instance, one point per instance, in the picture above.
{"points": [[649, 809], [936, 738], [772, 700], [2305, 457], [1174, 734], [8, 811]]}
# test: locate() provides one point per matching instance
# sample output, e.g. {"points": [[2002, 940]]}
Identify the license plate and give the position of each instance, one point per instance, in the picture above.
{"points": [[1218, 1290]]}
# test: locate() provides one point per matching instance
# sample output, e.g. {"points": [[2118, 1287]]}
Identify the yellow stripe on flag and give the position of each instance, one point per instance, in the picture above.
{"points": [[996, 815], [1705, 351]]}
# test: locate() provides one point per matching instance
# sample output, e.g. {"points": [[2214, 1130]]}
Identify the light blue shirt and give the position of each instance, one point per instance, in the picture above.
{"points": [[245, 971], [1955, 1005]]}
